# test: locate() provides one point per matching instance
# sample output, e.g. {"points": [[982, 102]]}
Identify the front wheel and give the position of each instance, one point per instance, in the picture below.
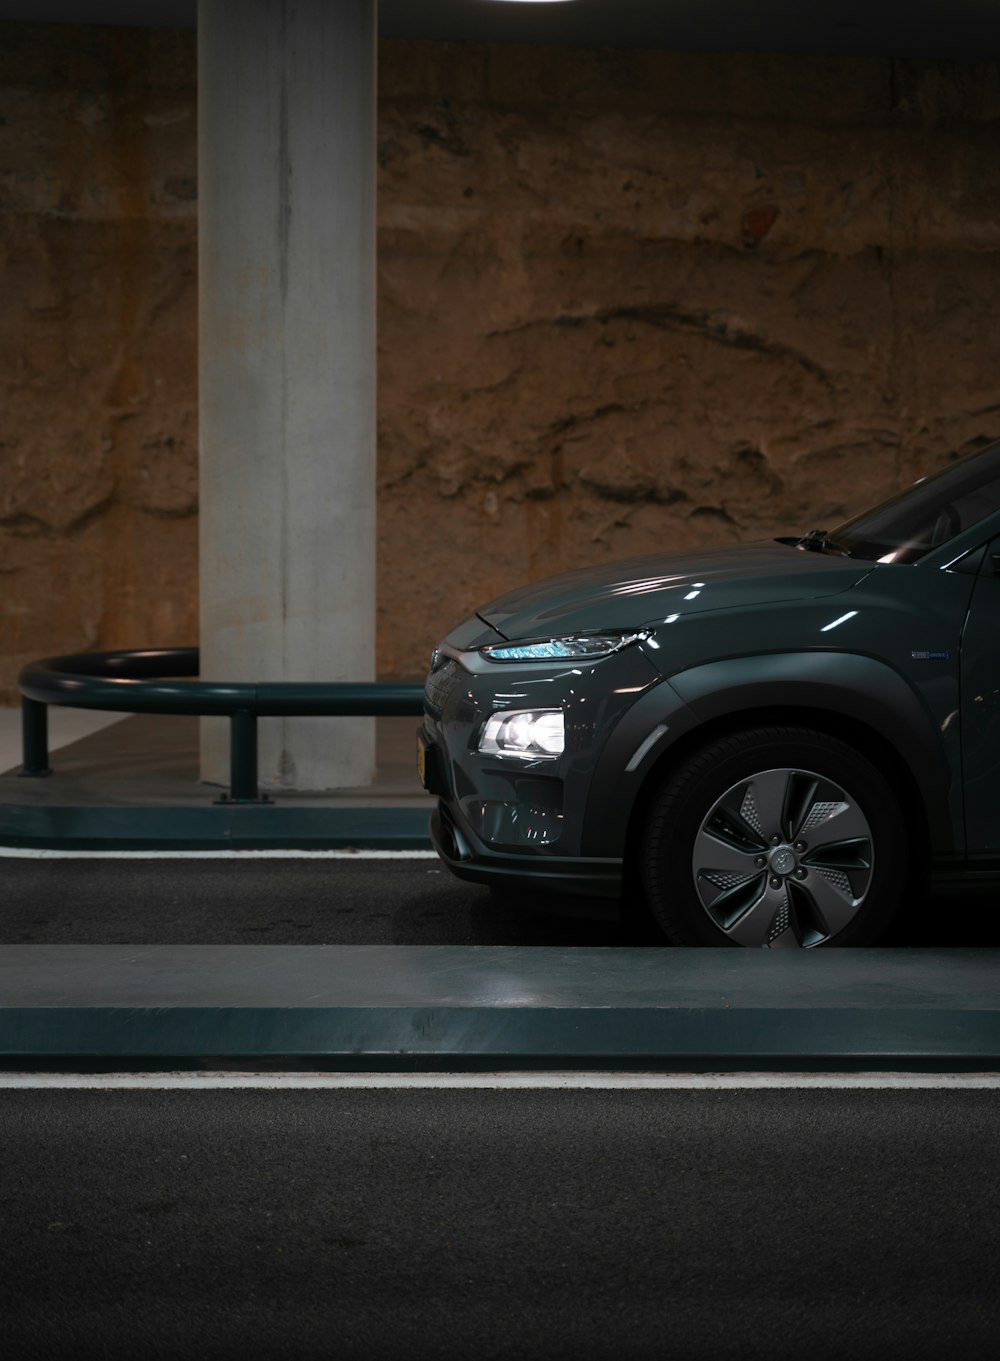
{"points": [[774, 838]]}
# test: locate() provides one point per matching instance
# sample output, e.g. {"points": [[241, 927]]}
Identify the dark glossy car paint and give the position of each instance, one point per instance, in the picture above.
{"points": [[900, 659]]}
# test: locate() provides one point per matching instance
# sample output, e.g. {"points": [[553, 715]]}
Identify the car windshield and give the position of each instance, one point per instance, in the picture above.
{"points": [[925, 516]]}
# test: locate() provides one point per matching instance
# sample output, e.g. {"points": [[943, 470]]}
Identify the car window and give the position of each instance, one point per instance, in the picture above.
{"points": [[927, 515]]}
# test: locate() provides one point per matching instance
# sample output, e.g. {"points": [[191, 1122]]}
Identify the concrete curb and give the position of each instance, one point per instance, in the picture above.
{"points": [[371, 1008], [212, 827]]}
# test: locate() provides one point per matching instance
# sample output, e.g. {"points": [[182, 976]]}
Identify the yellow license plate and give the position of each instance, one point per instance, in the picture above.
{"points": [[421, 760]]}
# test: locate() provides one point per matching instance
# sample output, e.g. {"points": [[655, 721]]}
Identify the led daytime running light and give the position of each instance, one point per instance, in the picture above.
{"points": [[574, 647]]}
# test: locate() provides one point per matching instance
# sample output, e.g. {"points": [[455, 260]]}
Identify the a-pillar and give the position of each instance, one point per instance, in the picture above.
{"points": [[286, 189]]}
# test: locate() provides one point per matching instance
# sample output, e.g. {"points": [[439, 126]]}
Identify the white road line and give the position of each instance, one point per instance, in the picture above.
{"points": [[348, 853], [210, 1081]]}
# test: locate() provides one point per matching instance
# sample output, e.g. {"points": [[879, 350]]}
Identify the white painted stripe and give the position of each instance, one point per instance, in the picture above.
{"points": [[507, 1081], [348, 853]]}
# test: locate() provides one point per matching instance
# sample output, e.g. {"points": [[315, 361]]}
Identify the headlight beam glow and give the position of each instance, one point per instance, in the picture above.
{"points": [[526, 734]]}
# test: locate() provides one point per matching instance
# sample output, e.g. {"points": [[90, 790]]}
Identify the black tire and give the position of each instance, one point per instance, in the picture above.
{"points": [[841, 888]]}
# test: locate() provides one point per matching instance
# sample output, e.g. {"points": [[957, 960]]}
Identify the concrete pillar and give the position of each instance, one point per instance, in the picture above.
{"points": [[286, 191]]}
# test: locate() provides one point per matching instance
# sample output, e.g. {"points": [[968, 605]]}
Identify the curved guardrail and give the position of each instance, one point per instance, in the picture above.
{"points": [[150, 681]]}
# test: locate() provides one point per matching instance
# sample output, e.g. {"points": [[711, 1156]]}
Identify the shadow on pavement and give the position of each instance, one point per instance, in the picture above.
{"points": [[348, 902]]}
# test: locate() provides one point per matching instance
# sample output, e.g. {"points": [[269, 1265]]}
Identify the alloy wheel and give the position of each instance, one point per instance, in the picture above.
{"points": [[783, 859]]}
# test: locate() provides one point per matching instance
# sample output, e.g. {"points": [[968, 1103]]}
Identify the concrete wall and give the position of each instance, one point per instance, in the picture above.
{"points": [[627, 300]]}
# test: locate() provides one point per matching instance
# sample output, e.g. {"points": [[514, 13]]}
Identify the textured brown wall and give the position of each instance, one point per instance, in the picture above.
{"points": [[639, 300], [628, 300], [98, 443]]}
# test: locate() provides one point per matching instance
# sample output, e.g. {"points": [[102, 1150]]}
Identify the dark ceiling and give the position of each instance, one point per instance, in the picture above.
{"points": [[961, 30]]}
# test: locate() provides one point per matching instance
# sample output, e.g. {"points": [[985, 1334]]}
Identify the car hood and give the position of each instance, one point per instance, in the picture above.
{"points": [[642, 591]]}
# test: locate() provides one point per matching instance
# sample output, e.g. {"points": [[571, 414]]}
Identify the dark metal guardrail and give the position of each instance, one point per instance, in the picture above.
{"points": [[145, 681]]}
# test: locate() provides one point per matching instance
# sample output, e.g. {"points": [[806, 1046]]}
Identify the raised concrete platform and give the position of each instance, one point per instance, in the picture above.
{"points": [[427, 1007], [134, 786]]}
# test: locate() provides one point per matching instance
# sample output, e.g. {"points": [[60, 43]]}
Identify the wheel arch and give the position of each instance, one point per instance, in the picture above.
{"points": [[857, 699], [847, 729]]}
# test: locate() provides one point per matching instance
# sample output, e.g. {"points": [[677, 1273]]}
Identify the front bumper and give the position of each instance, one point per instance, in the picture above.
{"points": [[470, 858], [502, 819]]}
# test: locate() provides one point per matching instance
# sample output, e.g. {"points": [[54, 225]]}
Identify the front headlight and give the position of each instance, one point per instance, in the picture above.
{"points": [[576, 647], [530, 734]]}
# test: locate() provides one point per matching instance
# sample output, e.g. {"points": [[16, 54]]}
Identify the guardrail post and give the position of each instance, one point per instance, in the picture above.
{"points": [[243, 760], [34, 737]]}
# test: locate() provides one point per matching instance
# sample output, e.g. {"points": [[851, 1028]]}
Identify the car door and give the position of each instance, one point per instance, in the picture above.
{"points": [[981, 712]]}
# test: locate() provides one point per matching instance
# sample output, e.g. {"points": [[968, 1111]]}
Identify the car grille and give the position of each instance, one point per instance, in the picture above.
{"points": [[442, 683]]}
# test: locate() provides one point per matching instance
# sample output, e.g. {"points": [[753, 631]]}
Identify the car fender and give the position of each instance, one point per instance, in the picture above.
{"points": [[850, 686]]}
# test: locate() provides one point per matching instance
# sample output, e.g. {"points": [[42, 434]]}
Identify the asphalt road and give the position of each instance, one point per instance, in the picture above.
{"points": [[266, 902], [465, 1224], [459, 1224], [333, 902]]}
